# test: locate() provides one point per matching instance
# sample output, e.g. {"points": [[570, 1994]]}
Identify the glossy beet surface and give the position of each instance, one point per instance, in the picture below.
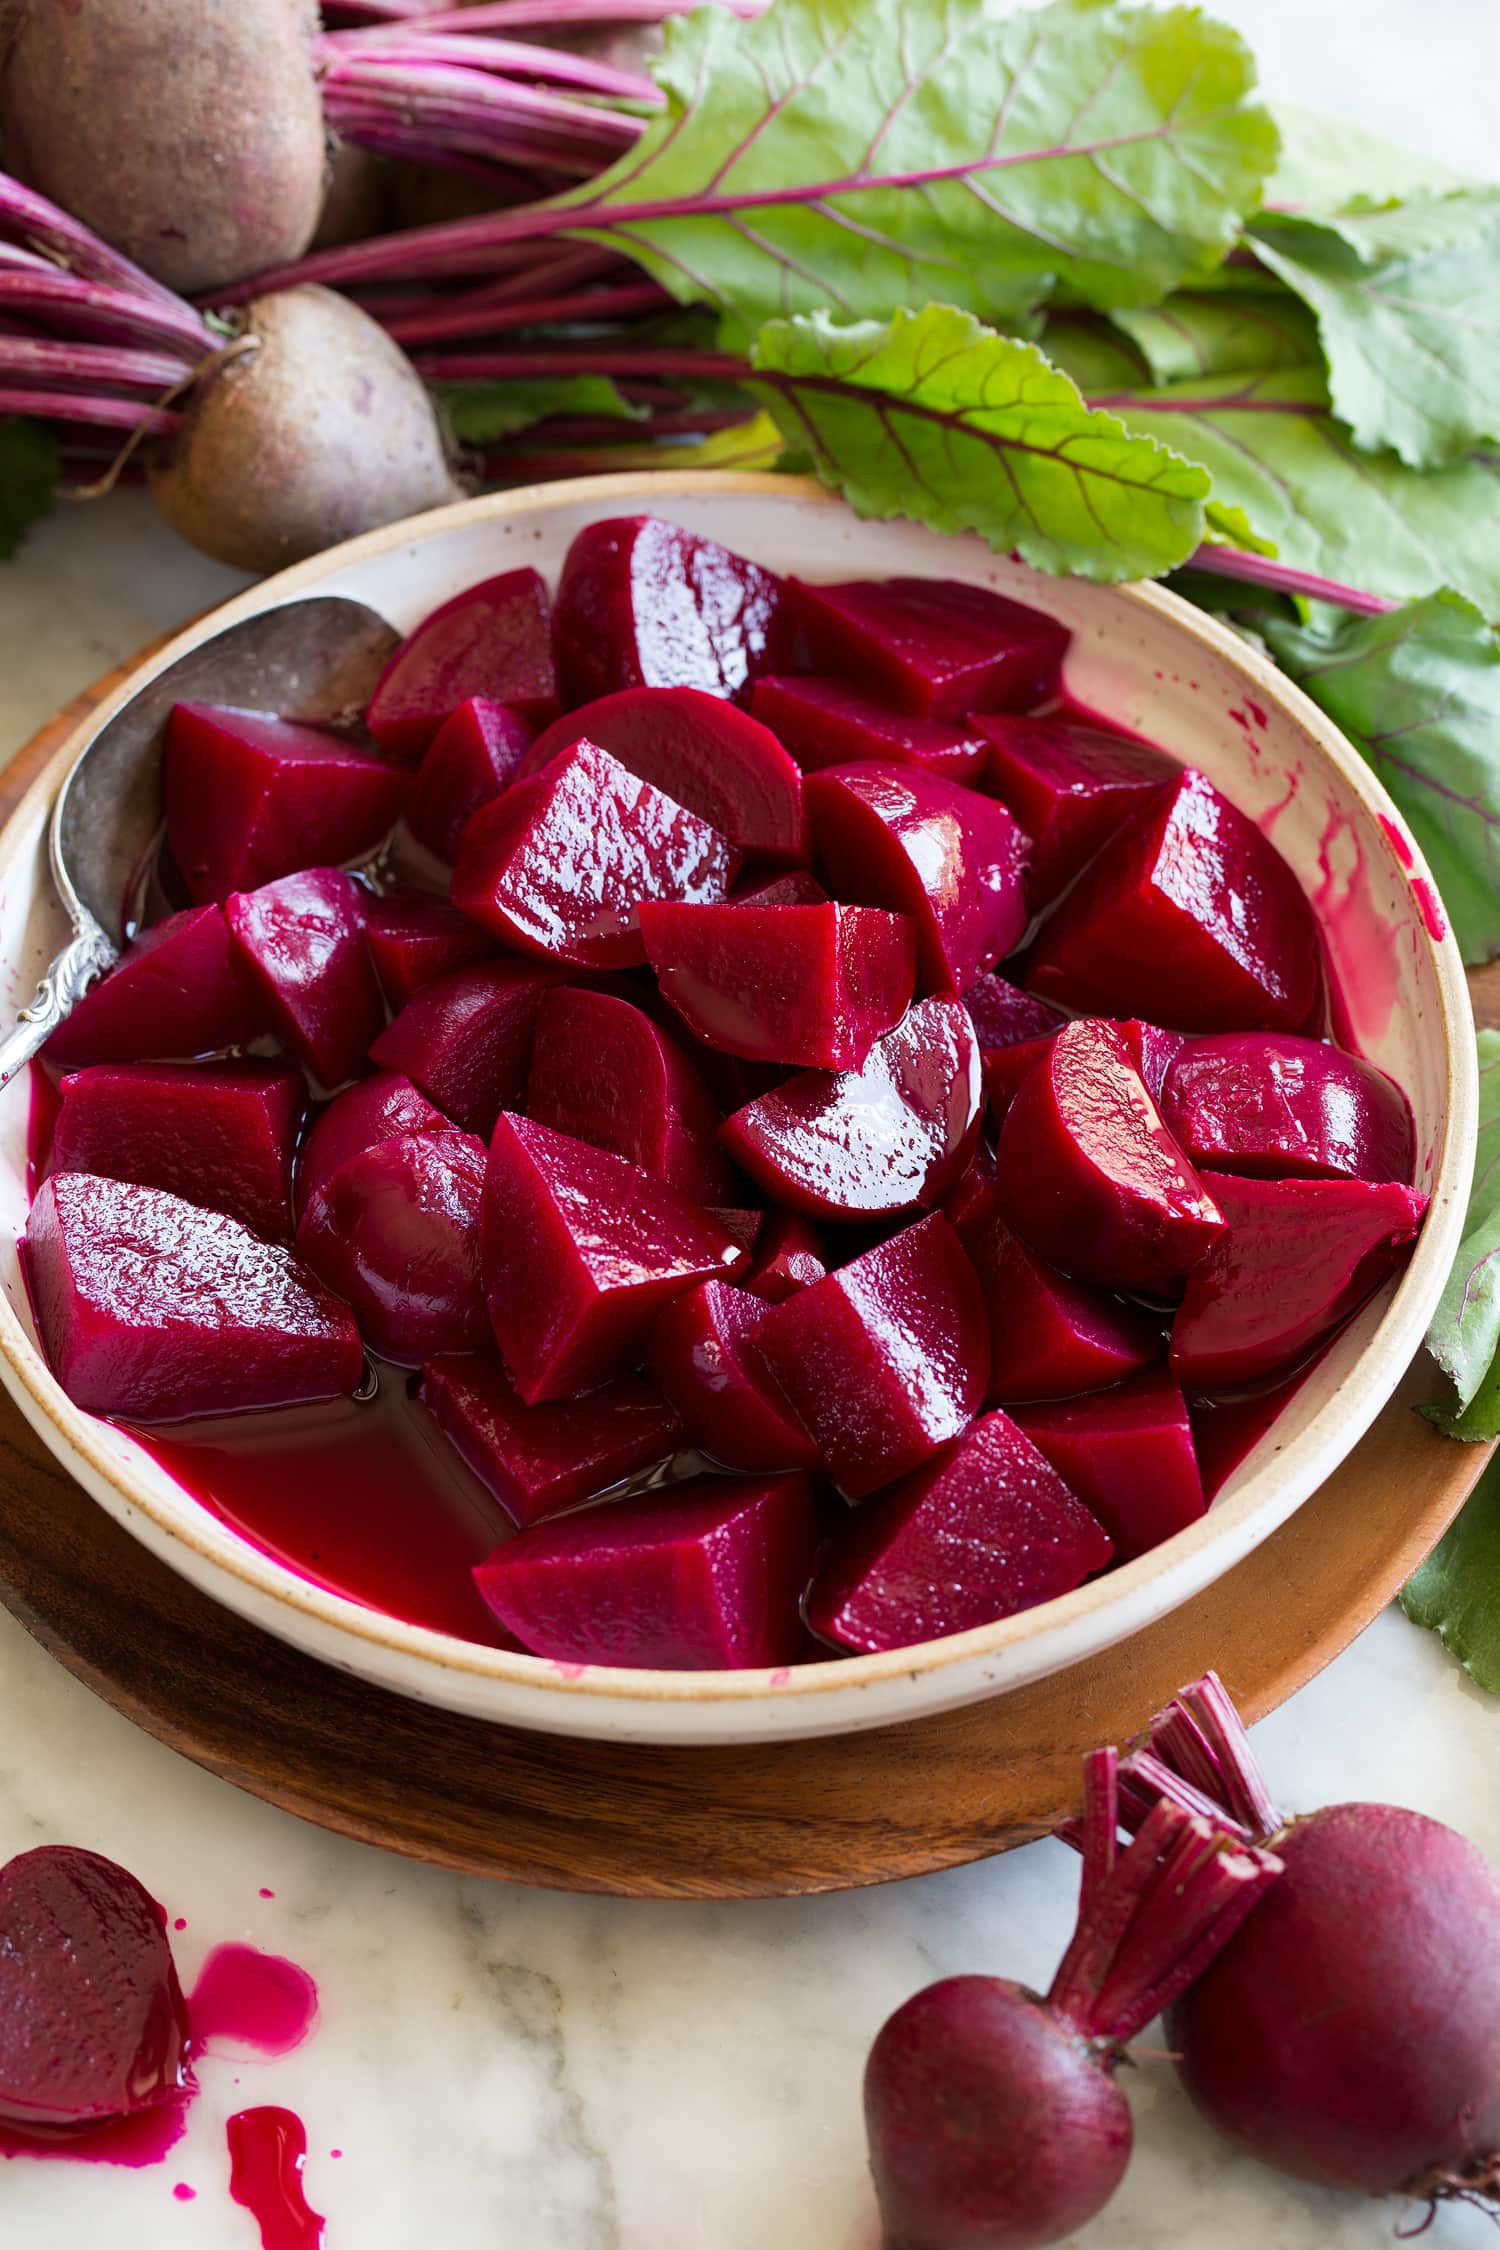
{"points": [[604, 1072], [180, 989], [643, 603], [474, 755], [797, 887], [1003, 1015], [414, 940], [148, 1306], [375, 1109], [539, 1460], [1050, 1336], [219, 1134], [787, 1254], [492, 640], [1128, 1454], [1274, 1106], [1070, 787], [396, 1232], [827, 722], [704, 1360], [932, 644], [303, 941], [701, 1577], [466, 1039]]}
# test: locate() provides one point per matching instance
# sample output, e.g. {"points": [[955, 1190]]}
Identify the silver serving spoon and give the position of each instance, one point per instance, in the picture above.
{"points": [[314, 659]]}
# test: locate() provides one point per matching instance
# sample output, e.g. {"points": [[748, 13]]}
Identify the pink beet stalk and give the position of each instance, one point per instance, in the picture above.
{"points": [[1280, 578]]}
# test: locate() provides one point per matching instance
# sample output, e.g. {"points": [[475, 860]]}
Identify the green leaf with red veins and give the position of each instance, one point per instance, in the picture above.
{"points": [[1465, 1332], [28, 480], [1456, 1593]]}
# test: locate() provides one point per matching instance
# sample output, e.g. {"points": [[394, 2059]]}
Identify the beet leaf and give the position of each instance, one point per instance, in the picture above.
{"points": [[28, 480], [1456, 1592]]}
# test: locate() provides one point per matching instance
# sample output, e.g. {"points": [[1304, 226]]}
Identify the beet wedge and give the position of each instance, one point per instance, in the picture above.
{"points": [[643, 603], [219, 1134], [786, 1254], [703, 1359], [1070, 787], [414, 940], [935, 645], [1128, 1454], [374, 1109], [493, 640], [604, 1072], [475, 755], [823, 721], [303, 941], [396, 1232], [1050, 1337], [541, 1460], [466, 1039], [1273, 1106], [179, 989]]}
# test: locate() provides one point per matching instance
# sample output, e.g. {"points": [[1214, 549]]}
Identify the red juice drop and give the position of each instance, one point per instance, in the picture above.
{"points": [[267, 2150], [248, 2000]]}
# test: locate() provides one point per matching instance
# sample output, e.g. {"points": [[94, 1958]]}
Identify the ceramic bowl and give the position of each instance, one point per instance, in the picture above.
{"points": [[1143, 659]]}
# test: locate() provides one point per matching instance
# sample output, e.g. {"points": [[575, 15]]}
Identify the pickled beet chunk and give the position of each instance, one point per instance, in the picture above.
{"points": [[539, 1460], [561, 865], [886, 1359], [1189, 917], [1089, 1176], [1003, 1015], [786, 1254], [795, 888], [825, 722], [414, 940], [1128, 1454], [985, 1530], [813, 986], [474, 756], [395, 1231], [1274, 1106], [303, 941], [1070, 787], [604, 1072], [375, 1109], [220, 1134], [93, 2025], [704, 1578], [643, 603], [897, 837], [250, 797], [934, 645], [715, 759], [581, 1251], [1050, 1336], [493, 640], [1297, 1259], [1006, 1070], [702, 1357], [466, 1039], [154, 1308], [180, 989], [871, 1142]]}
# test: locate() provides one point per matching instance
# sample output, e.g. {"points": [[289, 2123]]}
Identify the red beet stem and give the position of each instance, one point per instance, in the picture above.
{"points": [[508, 58], [462, 321], [543, 15], [108, 367], [1280, 578], [83, 406], [1201, 1738], [97, 310], [594, 358], [36, 224]]}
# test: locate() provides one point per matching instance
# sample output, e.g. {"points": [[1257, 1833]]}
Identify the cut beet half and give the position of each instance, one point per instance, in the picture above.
{"points": [[493, 640], [561, 864], [1006, 1070], [581, 1251], [396, 1233], [643, 603], [813, 986], [1050, 1337], [825, 722], [475, 754], [886, 1359], [985, 1530], [702, 1357], [1003, 1015], [1128, 1454], [1090, 1178], [934, 644], [1278, 1107], [154, 1308], [540, 1460], [1070, 787], [604, 1072], [381, 1108], [303, 941], [180, 989], [414, 940], [466, 1039], [1297, 1259], [787, 1254], [795, 888], [868, 1143]]}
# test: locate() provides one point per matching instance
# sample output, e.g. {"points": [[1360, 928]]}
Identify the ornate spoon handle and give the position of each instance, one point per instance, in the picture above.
{"points": [[86, 955]]}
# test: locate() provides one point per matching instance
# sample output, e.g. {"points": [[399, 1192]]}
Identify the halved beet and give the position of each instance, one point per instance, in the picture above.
{"points": [[1275, 1106], [933, 644], [250, 797], [704, 1578], [375, 1109], [1089, 1176], [92, 2020], [643, 603], [795, 888], [1050, 1337], [1069, 786], [985, 1530], [1128, 1454], [885, 1360], [415, 939], [539, 1460], [702, 1357], [219, 1134], [493, 640], [561, 864], [1153, 1051], [787, 1254], [395, 1231], [953, 860], [1297, 1259], [604, 1072], [581, 1251], [466, 1039], [303, 941], [151, 1307], [700, 750], [1190, 917], [1006, 1070], [1003, 1015], [814, 986], [475, 754], [180, 989], [826, 722], [867, 1143]]}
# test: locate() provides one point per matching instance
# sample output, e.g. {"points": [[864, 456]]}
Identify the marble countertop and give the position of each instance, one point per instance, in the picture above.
{"points": [[502, 2069]]}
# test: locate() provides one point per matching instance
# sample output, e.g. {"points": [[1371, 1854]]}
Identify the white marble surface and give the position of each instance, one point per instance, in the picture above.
{"points": [[507, 2070]]}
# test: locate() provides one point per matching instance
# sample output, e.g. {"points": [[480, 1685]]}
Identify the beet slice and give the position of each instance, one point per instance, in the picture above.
{"points": [[414, 940], [972, 1195], [493, 640], [395, 1231], [699, 750], [604, 1072], [581, 1251], [1003, 1015], [93, 2025], [953, 860], [303, 941], [475, 754], [1088, 1175], [539, 1460], [1296, 1260], [1050, 1337], [1070, 787], [886, 1359], [561, 864], [934, 644], [180, 989], [466, 1039], [1153, 1051], [220, 1134], [808, 985], [825, 722], [250, 797], [871, 1142], [1128, 1454], [985, 1530], [703, 1359], [795, 888], [643, 603], [1190, 917], [151, 1307], [376, 1109], [786, 1254], [1275, 1106], [704, 1578]]}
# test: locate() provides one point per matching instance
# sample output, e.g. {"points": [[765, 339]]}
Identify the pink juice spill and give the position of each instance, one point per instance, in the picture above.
{"points": [[246, 2003], [267, 2152], [1360, 937], [136, 2142]]}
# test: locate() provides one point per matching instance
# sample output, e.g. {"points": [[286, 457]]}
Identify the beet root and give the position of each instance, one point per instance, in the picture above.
{"points": [[540, 1460], [381, 1108], [466, 1039], [703, 1358], [493, 640], [935, 646], [415, 939], [604, 1072], [180, 989], [217, 1134], [303, 941], [396, 1232], [1275, 1106], [644, 603]]}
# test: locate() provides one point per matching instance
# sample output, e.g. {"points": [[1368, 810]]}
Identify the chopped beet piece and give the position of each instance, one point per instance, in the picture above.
{"points": [[414, 940], [466, 1039], [395, 1230], [150, 1307], [1128, 1454], [972, 1195], [474, 755], [561, 864], [539, 1460], [493, 640], [985, 1530], [251, 797], [1070, 787], [180, 989], [825, 722], [934, 644], [702, 1357], [1050, 1336], [886, 1359], [604, 1072], [1007, 1068], [795, 888], [303, 940], [1153, 1051], [1275, 1106], [376, 1109], [1003, 1015], [786, 1254], [219, 1134], [704, 1578], [643, 603], [744, 1225]]}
